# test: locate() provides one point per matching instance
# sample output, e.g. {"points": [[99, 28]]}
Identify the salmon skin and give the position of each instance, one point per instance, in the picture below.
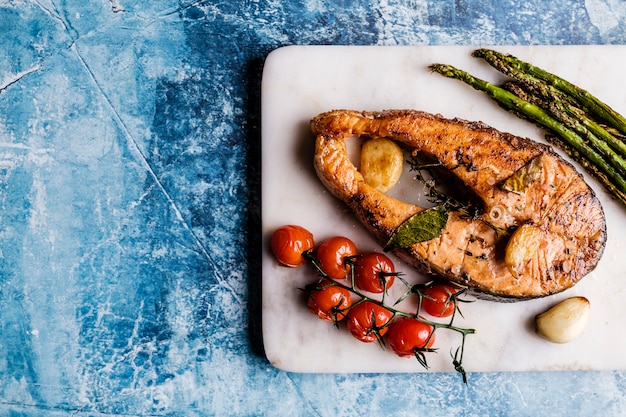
{"points": [[556, 225]]}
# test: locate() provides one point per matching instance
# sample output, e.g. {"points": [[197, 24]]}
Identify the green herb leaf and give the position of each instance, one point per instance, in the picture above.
{"points": [[420, 227]]}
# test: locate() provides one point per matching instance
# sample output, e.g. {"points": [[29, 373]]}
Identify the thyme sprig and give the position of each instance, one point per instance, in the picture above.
{"points": [[468, 210], [415, 289]]}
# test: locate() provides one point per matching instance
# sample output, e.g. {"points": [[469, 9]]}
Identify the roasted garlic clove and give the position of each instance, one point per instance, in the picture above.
{"points": [[565, 321], [522, 248], [381, 163]]}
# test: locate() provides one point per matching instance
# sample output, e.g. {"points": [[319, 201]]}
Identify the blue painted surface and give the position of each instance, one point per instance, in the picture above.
{"points": [[129, 207]]}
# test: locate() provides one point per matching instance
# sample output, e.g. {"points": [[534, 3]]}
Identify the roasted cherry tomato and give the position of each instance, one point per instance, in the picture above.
{"points": [[437, 301], [373, 272], [408, 334], [329, 302], [331, 253], [367, 321], [289, 242]]}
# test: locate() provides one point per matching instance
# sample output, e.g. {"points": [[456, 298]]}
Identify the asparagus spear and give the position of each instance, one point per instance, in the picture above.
{"points": [[514, 67], [614, 132], [542, 101], [556, 99], [563, 114], [535, 113], [615, 140]]}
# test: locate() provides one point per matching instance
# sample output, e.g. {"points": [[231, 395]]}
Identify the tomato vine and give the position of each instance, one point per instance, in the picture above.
{"points": [[377, 329]]}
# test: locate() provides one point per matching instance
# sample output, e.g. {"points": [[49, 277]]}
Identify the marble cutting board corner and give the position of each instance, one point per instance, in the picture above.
{"points": [[300, 82]]}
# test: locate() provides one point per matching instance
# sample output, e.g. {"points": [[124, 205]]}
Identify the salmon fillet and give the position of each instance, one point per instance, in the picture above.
{"points": [[556, 225]]}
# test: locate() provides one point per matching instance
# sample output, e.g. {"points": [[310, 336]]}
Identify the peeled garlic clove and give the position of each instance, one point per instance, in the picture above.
{"points": [[565, 321]]}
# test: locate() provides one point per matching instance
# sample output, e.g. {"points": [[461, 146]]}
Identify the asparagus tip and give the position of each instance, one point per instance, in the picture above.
{"points": [[479, 53], [443, 69]]}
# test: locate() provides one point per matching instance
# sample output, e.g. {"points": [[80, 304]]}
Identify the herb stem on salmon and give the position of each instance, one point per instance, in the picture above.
{"points": [[529, 111]]}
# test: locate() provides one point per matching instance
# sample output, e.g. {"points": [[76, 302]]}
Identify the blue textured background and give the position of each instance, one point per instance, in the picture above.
{"points": [[129, 206]]}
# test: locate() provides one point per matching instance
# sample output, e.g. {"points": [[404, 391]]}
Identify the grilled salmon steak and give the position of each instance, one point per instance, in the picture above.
{"points": [[555, 230]]}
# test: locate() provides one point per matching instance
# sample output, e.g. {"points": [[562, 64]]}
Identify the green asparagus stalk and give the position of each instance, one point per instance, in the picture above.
{"points": [[514, 67], [511, 102], [614, 132], [553, 98], [564, 114], [614, 140], [541, 100]]}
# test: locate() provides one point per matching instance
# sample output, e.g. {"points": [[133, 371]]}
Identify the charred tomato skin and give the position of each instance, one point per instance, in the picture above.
{"points": [[437, 300], [367, 321], [328, 301], [289, 242], [330, 254], [373, 272], [408, 334]]}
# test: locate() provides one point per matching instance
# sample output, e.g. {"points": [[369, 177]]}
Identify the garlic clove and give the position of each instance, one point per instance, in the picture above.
{"points": [[523, 246], [381, 163], [564, 321]]}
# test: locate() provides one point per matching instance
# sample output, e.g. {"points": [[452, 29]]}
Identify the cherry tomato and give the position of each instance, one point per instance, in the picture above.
{"points": [[331, 253], [289, 242], [329, 302], [373, 272], [367, 321], [437, 300], [408, 334]]}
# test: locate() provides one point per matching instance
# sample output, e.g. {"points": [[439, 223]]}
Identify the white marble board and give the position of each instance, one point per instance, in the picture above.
{"points": [[300, 82]]}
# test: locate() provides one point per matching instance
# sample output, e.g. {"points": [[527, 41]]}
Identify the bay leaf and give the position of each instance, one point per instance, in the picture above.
{"points": [[524, 177], [420, 227]]}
